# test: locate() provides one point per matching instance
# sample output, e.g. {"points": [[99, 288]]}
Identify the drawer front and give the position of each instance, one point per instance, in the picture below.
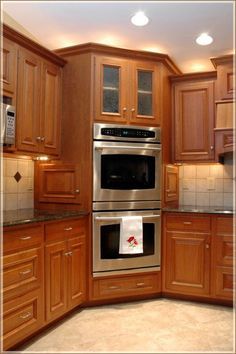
{"points": [[21, 317], [24, 237], [224, 283], [223, 250], [22, 272], [188, 223], [64, 229], [127, 286], [224, 226]]}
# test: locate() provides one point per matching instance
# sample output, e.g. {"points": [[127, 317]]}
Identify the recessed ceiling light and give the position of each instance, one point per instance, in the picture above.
{"points": [[139, 19], [204, 39]]}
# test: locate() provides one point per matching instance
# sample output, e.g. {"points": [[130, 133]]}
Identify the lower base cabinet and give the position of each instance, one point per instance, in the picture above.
{"points": [[198, 255], [66, 267]]}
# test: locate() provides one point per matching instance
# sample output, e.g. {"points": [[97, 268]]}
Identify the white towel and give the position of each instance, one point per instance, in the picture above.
{"points": [[131, 235]]}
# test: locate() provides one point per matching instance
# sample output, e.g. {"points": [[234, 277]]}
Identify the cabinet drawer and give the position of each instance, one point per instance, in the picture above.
{"points": [[188, 223], [224, 226], [24, 237], [22, 316], [64, 229], [224, 284], [223, 250], [22, 272], [125, 286]]}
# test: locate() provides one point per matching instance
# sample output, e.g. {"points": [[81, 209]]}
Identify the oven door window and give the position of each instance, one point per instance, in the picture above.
{"points": [[127, 172], [110, 242]]}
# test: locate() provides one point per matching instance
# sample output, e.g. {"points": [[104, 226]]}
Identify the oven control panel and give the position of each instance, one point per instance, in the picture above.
{"points": [[127, 132]]}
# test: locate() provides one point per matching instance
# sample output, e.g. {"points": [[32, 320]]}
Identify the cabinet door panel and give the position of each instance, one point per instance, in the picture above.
{"points": [[171, 192], [55, 264], [76, 271], [9, 68], [28, 101], [144, 106], [111, 79], [194, 121], [188, 263], [51, 113]]}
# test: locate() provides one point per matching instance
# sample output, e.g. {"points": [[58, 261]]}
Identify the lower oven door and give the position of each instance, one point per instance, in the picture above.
{"points": [[106, 237]]}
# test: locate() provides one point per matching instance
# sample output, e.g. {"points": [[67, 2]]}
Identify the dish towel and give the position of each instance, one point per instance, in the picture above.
{"points": [[131, 235]]}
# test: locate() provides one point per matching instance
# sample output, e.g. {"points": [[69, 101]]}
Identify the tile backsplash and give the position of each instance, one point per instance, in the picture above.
{"points": [[17, 184], [206, 185]]}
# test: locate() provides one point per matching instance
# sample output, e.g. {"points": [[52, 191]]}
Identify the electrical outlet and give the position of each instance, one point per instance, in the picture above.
{"points": [[211, 183]]}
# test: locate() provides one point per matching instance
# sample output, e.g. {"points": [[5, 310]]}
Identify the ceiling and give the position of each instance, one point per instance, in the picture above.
{"points": [[172, 29]]}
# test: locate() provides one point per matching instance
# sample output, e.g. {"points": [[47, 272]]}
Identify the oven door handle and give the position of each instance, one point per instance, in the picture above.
{"points": [[110, 218], [117, 147]]}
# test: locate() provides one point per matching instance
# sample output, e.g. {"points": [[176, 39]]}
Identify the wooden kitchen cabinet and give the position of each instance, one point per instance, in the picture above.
{"points": [[9, 68], [127, 91], [38, 104], [193, 120], [23, 282], [187, 241], [171, 184], [222, 260], [66, 266], [225, 89]]}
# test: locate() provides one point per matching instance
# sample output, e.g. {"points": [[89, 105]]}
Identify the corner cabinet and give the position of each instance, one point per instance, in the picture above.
{"points": [[126, 91], [9, 68], [38, 104], [193, 120]]}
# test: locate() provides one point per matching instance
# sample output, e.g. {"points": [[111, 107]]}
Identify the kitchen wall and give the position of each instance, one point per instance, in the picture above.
{"points": [[17, 184], [207, 185]]}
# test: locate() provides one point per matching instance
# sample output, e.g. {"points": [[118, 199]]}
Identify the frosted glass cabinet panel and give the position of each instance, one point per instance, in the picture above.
{"points": [[126, 91]]}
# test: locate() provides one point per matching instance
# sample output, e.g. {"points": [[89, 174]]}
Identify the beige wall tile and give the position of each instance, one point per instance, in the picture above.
{"points": [[216, 199], [189, 198], [189, 171], [31, 168], [189, 184], [201, 185], [203, 171], [10, 185], [228, 185], [181, 171], [228, 171], [228, 200], [25, 200], [219, 182], [23, 167], [11, 201], [23, 185], [11, 167], [217, 171], [202, 199]]}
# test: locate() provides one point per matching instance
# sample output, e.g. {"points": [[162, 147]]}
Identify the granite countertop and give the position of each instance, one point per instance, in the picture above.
{"points": [[199, 209], [26, 216]]}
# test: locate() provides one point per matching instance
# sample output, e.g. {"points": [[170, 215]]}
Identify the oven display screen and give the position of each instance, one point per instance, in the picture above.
{"points": [[126, 172], [110, 242]]}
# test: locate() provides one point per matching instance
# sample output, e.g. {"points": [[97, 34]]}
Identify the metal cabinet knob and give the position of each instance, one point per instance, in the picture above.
{"points": [[124, 109], [38, 138], [77, 191], [68, 228], [132, 110], [24, 238], [42, 138], [207, 245], [212, 147]]}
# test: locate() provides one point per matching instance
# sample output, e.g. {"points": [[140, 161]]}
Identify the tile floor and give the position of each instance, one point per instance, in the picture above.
{"points": [[151, 326]]}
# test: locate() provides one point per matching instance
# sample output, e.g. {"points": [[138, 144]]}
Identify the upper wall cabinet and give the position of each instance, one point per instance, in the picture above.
{"points": [[126, 91], [193, 120], [225, 89], [38, 104], [37, 92], [9, 68]]}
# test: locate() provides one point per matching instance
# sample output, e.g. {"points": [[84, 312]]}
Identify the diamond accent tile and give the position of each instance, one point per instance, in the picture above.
{"points": [[17, 177]]}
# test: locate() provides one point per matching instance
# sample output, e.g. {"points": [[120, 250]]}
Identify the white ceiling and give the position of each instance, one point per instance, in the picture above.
{"points": [[172, 29]]}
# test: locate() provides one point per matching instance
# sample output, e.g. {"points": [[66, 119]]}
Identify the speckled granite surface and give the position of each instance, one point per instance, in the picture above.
{"points": [[199, 209], [25, 216]]}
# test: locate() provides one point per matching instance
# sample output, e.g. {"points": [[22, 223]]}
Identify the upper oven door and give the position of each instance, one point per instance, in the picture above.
{"points": [[126, 171]]}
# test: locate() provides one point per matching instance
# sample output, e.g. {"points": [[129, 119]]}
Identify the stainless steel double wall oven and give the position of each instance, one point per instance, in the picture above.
{"points": [[126, 181]]}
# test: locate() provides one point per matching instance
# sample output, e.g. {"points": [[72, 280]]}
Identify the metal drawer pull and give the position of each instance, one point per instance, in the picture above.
{"points": [[187, 222], [140, 284], [154, 148], [25, 238], [113, 287], [26, 315], [24, 272], [67, 228], [68, 254], [207, 245]]}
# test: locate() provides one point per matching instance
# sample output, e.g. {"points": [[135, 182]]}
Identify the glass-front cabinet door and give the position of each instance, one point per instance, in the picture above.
{"points": [[111, 77], [145, 94]]}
